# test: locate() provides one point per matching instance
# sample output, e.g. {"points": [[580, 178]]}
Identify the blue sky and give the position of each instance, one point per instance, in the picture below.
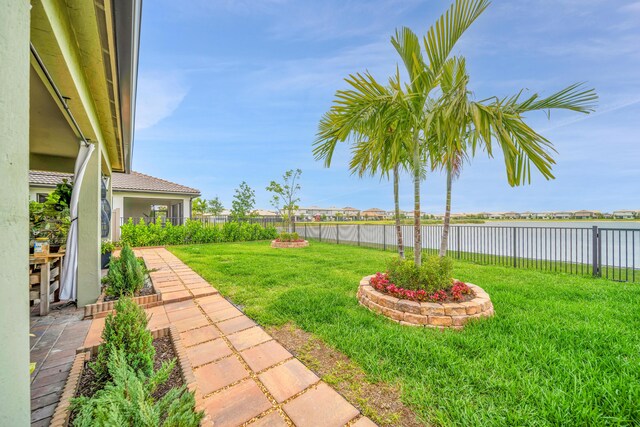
{"points": [[232, 90]]}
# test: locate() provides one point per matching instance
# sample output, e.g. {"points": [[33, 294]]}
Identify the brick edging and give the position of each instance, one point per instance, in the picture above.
{"points": [[102, 308], [415, 313], [185, 367], [60, 416], [284, 245]]}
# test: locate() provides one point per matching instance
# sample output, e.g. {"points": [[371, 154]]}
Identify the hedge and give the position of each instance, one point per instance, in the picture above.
{"points": [[158, 234]]}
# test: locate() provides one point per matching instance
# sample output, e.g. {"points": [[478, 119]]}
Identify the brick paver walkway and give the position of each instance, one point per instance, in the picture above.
{"points": [[53, 348], [244, 376]]}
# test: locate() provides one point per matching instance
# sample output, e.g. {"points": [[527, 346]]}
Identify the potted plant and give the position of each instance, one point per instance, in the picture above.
{"points": [[49, 224], [106, 248], [51, 219]]}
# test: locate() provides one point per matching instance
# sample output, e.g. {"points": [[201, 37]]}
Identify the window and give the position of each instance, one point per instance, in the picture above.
{"points": [[42, 197], [159, 211]]}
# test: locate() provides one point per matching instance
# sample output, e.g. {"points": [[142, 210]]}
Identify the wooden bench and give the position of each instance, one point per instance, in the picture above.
{"points": [[45, 277]]}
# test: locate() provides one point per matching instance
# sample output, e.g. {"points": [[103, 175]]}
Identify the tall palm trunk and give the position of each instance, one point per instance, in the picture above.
{"points": [[396, 201], [417, 235], [444, 243]]}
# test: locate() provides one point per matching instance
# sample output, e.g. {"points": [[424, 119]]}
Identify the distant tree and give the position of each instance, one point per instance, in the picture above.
{"points": [[198, 206], [243, 202], [214, 206], [285, 195]]}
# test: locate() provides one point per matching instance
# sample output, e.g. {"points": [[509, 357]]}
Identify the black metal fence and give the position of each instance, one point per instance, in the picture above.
{"points": [[613, 253]]}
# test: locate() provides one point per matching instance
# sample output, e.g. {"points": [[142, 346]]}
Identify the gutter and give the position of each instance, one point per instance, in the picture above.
{"points": [[127, 17]]}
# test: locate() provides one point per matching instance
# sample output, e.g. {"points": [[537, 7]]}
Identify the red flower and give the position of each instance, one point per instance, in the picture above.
{"points": [[457, 291]]}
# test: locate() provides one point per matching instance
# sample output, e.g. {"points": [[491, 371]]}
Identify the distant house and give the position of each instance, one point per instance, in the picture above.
{"points": [[496, 215], [582, 214], [526, 215], [511, 215], [331, 213], [624, 214], [312, 211], [562, 215], [264, 213], [351, 213], [334, 212], [542, 215], [373, 213]]}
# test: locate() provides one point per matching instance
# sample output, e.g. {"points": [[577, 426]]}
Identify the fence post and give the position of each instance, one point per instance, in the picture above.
{"points": [[337, 234], [305, 231], [358, 234], [515, 260], [384, 237], [457, 241], [596, 247], [320, 231]]}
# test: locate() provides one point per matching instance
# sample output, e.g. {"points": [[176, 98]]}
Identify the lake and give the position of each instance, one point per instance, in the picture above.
{"points": [[569, 246]]}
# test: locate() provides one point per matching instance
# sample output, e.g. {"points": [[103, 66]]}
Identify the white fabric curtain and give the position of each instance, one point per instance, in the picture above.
{"points": [[69, 286]]}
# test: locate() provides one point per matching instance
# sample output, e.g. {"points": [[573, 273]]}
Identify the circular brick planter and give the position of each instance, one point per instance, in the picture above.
{"points": [[282, 245], [415, 313]]}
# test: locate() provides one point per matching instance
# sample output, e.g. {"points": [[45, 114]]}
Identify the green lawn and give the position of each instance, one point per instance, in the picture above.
{"points": [[561, 350]]}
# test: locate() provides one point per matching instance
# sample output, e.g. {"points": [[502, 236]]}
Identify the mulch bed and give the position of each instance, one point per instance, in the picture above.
{"points": [[147, 290], [378, 401], [164, 353]]}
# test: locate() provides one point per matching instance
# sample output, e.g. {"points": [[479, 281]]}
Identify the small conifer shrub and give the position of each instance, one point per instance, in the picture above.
{"points": [[127, 400], [126, 331]]}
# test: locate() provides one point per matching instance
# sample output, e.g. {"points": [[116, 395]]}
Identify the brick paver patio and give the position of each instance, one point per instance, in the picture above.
{"points": [[244, 376], [53, 348]]}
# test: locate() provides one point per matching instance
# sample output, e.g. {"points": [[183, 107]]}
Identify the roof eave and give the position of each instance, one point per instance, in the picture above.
{"points": [[127, 16], [138, 190]]}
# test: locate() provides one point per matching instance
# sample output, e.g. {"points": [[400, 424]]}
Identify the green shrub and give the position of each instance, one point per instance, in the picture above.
{"points": [[404, 273], [288, 237], [434, 274], [128, 400], [107, 246], [125, 275], [126, 331], [192, 231]]}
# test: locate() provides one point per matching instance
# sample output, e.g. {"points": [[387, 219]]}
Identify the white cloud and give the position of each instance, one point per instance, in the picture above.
{"points": [[322, 72], [582, 117], [159, 95]]}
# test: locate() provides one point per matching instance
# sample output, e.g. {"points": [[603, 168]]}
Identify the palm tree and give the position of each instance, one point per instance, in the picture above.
{"points": [[368, 104], [459, 126], [383, 153], [378, 148]]}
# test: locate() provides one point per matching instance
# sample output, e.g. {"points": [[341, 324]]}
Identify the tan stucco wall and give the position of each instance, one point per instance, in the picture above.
{"points": [[14, 249]]}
